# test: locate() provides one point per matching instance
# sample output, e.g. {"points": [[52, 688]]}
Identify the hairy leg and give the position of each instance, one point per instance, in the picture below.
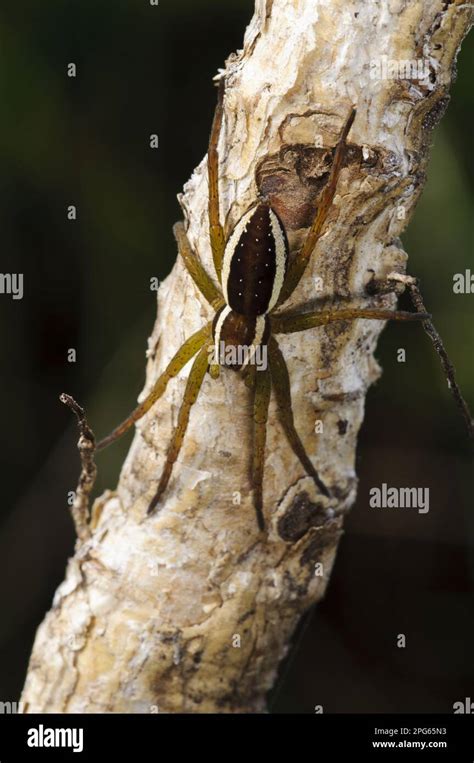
{"points": [[298, 265], [262, 390], [248, 375], [216, 231], [193, 385], [195, 269], [289, 324], [184, 354], [282, 389]]}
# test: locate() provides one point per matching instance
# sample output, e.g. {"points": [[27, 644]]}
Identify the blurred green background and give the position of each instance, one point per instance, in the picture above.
{"points": [[85, 141]]}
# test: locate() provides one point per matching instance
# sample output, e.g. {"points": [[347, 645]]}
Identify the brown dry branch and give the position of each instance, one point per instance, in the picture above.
{"points": [[192, 609], [387, 285], [85, 485]]}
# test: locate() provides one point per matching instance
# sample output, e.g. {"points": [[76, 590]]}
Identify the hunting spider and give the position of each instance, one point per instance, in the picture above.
{"points": [[256, 277]]}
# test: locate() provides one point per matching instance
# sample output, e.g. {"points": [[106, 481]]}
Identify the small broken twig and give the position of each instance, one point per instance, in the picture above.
{"points": [[86, 446], [414, 292]]}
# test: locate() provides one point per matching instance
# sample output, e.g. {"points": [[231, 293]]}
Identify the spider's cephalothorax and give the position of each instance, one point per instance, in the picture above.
{"points": [[237, 338], [256, 276]]}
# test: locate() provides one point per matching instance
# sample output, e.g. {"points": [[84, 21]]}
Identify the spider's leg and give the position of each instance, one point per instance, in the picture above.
{"points": [[291, 323], [196, 270], [298, 265], [262, 390], [248, 375], [216, 231], [184, 354], [282, 389], [193, 385]]}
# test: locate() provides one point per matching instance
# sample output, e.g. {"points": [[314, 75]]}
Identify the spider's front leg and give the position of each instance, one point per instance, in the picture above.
{"points": [[216, 231], [299, 263], [196, 270]]}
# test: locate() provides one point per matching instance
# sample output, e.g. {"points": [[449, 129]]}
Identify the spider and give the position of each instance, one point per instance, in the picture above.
{"points": [[256, 276]]}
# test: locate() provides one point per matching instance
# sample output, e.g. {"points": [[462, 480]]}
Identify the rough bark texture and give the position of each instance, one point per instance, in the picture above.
{"points": [[192, 610]]}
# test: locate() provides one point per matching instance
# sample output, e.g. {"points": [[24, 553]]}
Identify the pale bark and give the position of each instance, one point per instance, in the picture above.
{"points": [[150, 610]]}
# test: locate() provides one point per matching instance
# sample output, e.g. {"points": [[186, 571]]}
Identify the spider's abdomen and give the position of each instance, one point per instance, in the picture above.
{"points": [[255, 261]]}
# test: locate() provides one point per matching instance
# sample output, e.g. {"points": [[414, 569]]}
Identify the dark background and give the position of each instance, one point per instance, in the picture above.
{"points": [[85, 141]]}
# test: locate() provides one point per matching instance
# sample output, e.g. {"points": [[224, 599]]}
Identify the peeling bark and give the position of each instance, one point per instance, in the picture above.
{"points": [[192, 610]]}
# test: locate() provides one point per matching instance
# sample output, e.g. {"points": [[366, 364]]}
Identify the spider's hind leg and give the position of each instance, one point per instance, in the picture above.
{"points": [[281, 386], [183, 356], [193, 386], [262, 390]]}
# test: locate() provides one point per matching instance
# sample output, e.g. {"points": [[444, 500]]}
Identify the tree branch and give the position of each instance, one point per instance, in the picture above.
{"points": [[86, 447], [191, 609]]}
